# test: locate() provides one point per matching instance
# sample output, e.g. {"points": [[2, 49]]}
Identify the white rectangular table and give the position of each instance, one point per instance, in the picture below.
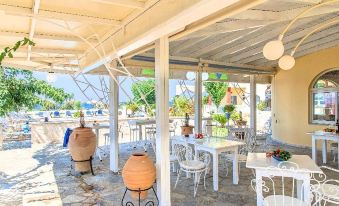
{"points": [[215, 146], [324, 136], [97, 128], [267, 166]]}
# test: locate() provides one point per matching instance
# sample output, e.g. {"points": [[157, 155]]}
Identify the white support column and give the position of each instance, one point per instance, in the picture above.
{"points": [[162, 121], [198, 103], [253, 103], [113, 125]]}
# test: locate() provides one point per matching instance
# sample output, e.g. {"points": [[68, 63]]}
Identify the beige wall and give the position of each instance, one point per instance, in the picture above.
{"points": [[290, 120]]}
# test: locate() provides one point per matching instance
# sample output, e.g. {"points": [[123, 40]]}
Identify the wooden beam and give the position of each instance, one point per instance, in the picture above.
{"points": [[36, 5], [49, 50], [55, 15], [44, 36], [124, 3], [175, 16]]}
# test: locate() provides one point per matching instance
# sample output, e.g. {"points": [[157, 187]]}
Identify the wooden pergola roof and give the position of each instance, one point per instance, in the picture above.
{"points": [[65, 30]]}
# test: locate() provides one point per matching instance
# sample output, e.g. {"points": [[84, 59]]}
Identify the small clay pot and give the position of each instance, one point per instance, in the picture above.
{"points": [[186, 130], [139, 173], [82, 144]]}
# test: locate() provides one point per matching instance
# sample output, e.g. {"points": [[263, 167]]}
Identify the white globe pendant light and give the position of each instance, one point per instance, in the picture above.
{"points": [[273, 50], [51, 77], [286, 62], [204, 76], [190, 75]]}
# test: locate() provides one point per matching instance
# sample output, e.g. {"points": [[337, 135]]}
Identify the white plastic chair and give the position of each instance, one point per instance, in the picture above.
{"points": [[189, 164]]}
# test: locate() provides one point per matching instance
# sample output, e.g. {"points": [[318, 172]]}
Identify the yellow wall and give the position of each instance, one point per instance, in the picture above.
{"points": [[290, 120]]}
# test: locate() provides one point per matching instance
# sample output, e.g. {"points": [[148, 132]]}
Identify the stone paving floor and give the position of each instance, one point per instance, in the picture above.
{"points": [[41, 176]]}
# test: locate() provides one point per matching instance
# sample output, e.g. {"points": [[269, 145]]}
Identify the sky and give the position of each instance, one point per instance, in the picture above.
{"points": [[67, 83]]}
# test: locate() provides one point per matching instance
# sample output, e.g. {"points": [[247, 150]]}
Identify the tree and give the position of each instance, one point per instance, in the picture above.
{"points": [[20, 90], [144, 89], [217, 91]]}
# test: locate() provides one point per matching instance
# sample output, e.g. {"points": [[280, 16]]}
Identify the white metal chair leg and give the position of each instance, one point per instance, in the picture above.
{"points": [[176, 182], [196, 182]]}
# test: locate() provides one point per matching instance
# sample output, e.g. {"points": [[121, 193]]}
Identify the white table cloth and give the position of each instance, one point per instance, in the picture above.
{"points": [[265, 167], [215, 146], [324, 136]]}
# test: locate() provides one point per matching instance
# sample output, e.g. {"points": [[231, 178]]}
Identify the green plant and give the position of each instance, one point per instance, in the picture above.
{"points": [[8, 51], [220, 118], [77, 105], [229, 108], [134, 107], [77, 114], [205, 100], [144, 89], [235, 116], [261, 106], [48, 105], [150, 110], [181, 106], [217, 91]]}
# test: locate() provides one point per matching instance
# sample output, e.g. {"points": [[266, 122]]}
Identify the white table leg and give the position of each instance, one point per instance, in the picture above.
{"points": [[235, 167], [140, 132], [338, 155], [299, 189], [258, 180], [324, 151], [314, 149], [307, 189], [215, 171], [97, 151]]}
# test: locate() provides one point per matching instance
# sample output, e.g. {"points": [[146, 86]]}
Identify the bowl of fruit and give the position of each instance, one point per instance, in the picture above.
{"points": [[279, 155], [199, 136], [328, 130]]}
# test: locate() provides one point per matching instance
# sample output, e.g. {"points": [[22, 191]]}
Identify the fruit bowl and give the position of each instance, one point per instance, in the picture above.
{"points": [[279, 155]]}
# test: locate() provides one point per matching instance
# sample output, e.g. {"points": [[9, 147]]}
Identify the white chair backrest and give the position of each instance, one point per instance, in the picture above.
{"points": [[283, 182], [326, 187], [245, 135], [182, 152]]}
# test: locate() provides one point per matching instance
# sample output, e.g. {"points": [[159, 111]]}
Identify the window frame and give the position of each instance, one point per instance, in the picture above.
{"points": [[313, 90]]}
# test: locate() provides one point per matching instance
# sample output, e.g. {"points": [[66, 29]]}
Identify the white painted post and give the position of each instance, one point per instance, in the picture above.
{"points": [[198, 102], [253, 104], [113, 124], [162, 121]]}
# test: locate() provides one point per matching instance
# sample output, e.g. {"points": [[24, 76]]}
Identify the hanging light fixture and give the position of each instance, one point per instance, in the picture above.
{"points": [[286, 62], [51, 77], [275, 49], [204, 76], [190, 76]]}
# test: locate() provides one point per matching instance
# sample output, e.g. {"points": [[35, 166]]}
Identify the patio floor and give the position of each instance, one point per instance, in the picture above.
{"points": [[41, 175]]}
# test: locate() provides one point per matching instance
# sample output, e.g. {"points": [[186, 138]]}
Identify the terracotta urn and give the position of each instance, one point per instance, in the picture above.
{"points": [[186, 130], [241, 123], [82, 144], [139, 173]]}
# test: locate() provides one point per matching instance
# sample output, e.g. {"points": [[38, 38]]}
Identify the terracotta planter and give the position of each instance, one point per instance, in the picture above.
{"points": [[241, 123], [186, 130], [139, 173], [82, 144]]}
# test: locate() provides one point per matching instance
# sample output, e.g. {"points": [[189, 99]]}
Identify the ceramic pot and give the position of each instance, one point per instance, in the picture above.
{"points": [[241, 123], [186, 130], [139, 173], [82, 144]]}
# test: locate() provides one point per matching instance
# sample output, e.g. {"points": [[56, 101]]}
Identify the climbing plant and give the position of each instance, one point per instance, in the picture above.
{"points": [[8, 51], [216, 90], [144, 92]]}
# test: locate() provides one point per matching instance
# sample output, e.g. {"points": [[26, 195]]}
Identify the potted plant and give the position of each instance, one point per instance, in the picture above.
{"points": [[187, 129], [220, 118], [228, 109]]}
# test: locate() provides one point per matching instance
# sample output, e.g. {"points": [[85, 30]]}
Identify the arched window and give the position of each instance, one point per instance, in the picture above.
{"points": [[324, 96]]}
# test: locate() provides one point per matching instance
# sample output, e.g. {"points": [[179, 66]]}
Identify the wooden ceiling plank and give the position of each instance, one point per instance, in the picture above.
{"points": [[124, 3], [290, 42], [55, 15]]}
